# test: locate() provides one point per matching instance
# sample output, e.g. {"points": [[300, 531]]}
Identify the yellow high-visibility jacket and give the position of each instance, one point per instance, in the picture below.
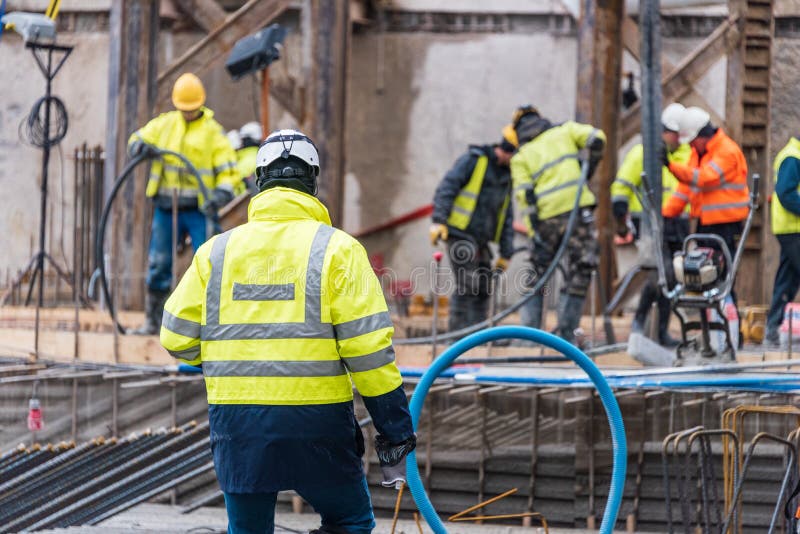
{"points": [[247, 159], [629, 177], [283, 310], [203, 143], [783, 220], [549, 166]]}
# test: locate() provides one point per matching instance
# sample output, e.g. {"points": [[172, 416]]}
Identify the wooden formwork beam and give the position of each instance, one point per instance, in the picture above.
{"points": [[678, 80], [212, 49], [598, 103]]}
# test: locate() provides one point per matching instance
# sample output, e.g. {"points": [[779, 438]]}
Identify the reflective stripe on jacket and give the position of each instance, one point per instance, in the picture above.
{"points": [[283, 310], [783, 220], [629, 177], [548, 166], [201, 141], [716, 184]]}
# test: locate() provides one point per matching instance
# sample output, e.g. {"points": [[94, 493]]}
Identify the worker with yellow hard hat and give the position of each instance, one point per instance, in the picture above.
{"points": [[471, 208], [191, 131]]}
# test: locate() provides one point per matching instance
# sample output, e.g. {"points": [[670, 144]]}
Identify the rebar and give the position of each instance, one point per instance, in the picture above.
{"points": [[75, 489], [790, 447]]}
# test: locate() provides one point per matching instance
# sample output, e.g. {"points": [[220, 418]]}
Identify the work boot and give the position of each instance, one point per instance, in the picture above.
{"points": [[153, 311], [664, 338], [570, 309], [772, 339]]}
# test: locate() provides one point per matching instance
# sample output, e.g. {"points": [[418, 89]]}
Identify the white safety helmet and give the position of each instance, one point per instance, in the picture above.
{"points": [[693, 120], [671, 117], [235, 139], [253, 131], [285, 143]]}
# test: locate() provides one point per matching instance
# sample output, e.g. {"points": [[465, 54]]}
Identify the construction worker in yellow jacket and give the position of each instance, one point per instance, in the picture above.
{"points": [[785, 211], [545, 174], [191, 131], [628, 214], [285, 315], [245, 142]]}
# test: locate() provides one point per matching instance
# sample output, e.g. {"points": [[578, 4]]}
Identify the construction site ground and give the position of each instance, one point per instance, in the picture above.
{"points": [[165, 519]]}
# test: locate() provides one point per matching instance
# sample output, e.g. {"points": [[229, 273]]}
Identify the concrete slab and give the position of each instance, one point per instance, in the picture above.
{"points": [[165, 519]]}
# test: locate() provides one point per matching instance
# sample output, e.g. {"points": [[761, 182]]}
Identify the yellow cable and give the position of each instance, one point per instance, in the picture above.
{"points": [[52, 9]]}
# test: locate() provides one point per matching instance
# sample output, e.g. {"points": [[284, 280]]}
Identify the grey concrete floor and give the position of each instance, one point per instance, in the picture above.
{"points": [[165, 519]]}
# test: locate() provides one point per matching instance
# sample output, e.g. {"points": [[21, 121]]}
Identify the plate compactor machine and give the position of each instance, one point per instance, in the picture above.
{"points": [[705, 273]]}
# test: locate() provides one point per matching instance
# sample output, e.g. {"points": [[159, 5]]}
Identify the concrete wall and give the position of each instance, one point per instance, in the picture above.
{"points": [[441, 93]]}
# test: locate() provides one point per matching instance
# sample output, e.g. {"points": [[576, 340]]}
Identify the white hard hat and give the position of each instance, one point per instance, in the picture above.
{"points": [[285, 143], [253, 131], [672, 115], [235, 139], [693, 120]]}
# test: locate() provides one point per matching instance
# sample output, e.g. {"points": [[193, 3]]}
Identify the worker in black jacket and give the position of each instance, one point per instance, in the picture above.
{"points": [[472, 207]]}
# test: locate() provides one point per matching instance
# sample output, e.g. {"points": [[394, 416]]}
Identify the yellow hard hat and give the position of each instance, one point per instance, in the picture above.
{"points": [[188, 93], [521, 111], [510, 135]]}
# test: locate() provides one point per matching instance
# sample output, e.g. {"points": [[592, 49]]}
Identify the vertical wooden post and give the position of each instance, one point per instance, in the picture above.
{"points": [[598, 103], [133, 29], [330, 52]]}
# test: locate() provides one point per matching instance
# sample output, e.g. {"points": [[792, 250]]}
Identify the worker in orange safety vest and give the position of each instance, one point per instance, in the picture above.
{"points": [[714, 180]]}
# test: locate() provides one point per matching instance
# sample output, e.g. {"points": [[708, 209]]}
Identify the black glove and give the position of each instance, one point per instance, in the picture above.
{"points": [[664, 154], [595, 153], [220, 197], [137, 147], [392, 457], [621, 226]]}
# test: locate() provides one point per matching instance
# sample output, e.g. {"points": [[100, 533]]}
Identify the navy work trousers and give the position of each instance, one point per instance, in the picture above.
{"points": [[159, 257], [787, 279], [346, 509]]}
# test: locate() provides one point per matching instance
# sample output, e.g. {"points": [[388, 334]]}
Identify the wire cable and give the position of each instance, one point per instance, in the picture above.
{"points": [[152, 152], [32, 128]]}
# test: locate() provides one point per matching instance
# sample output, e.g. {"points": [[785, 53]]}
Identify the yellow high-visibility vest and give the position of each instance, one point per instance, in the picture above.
{"points": [[783, 220], [629, 177], [467, 199]]}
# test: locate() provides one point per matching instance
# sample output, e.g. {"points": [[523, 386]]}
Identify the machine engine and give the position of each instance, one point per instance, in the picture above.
{"points": [[699, 269]]}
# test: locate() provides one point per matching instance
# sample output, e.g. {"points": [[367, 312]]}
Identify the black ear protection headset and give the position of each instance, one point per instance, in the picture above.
{"points": [[295, 169]]}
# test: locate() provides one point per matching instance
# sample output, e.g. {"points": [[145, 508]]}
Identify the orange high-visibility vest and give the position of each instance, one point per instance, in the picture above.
{"points": [[716, 184]]}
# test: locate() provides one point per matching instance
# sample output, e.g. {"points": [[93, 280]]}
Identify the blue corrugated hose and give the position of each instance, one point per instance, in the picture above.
{"points": [[446, 359], [2, 12]]}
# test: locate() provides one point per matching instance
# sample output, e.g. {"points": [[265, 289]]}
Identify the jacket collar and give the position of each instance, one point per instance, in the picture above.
{"points": [[206, 116], [716, 140], [283, 203]]}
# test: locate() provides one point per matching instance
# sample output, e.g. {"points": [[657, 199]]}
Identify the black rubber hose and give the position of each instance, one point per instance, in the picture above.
{"points": [[562, 247], [151, 152]]}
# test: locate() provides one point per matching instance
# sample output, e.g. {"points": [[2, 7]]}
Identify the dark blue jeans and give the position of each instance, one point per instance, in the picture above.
{"points": [[159, 258], [348, 508], [787, 279]]}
